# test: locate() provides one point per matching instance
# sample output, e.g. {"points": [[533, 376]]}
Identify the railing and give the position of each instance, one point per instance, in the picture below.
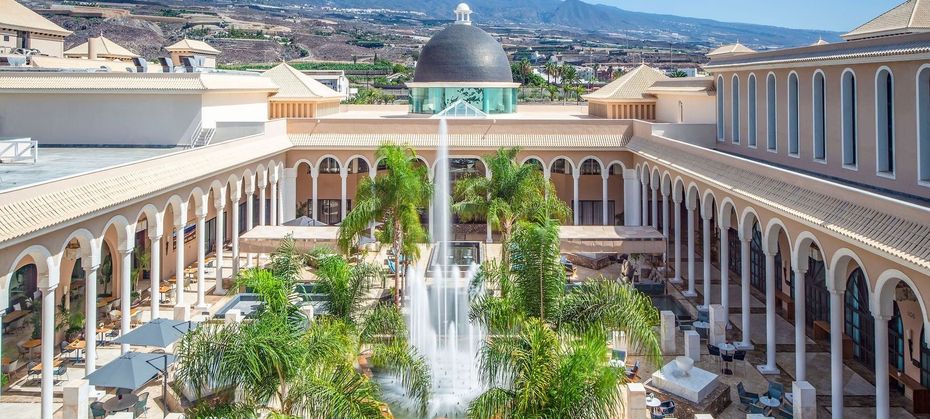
{"points": [[19, 150]]}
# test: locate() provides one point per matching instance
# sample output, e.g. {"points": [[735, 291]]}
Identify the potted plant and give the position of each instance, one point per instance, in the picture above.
{"points": [[142, 259], [106, 274]]}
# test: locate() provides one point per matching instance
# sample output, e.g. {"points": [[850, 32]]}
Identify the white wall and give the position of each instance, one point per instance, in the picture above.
{"points": [[695, 109], [96, 119], [234, 107]]}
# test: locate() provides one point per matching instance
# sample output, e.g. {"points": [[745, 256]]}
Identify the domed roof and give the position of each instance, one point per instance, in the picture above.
{"points": [[463, 53]]}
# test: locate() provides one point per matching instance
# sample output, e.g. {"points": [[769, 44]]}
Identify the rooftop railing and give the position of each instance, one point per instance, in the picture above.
{"points": [[18, 150]]}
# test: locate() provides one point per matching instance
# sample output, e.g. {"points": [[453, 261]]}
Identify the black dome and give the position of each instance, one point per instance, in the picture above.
{"points": [[463, 53]]}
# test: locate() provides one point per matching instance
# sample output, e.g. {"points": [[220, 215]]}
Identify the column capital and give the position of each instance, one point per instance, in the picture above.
{"points": [[127, 251], [605, 174], [48, 289], [220, 204], [629, 174], [154, 237], [89, 266], [262, 186], [881, 317], [654, 186], [290, 173]]}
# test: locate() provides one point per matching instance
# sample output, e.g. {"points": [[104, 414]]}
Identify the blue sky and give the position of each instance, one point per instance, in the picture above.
{"points": [[835, 15]]}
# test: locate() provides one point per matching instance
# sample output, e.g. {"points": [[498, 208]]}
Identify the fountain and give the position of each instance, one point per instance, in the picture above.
{"points": [[437, 303]]}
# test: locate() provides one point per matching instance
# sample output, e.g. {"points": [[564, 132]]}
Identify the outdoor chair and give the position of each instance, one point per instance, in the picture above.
{"points": [[727, 359], [756, 409], [714, 351], [631, 372], [29, 370], [65, 352], [140, 409], [740, 355], [97, 410], [746, 398], [776, 390], [657, 415], [784, 412], [667, 407], [60, 372]]}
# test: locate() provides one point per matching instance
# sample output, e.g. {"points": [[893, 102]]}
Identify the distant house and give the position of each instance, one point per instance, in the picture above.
{"points": [[21, 28], [100, 47], [299, 95], [193, 48]]}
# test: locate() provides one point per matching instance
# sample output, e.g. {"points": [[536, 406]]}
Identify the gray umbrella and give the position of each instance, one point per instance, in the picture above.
{"points": [[304, 221], [131, 370], [159, 333]]}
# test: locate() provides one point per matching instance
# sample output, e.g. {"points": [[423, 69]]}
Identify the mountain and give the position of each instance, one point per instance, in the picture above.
{"points": [[579, 16]]}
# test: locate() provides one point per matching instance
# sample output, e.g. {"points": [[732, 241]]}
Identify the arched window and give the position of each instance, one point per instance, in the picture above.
{"points": [[590, 167], [817, 306], [793, 125], [771, 120], [734, 111], [859, 322], [850, 114], [924, 360], [923, 125], [756, 260], [329, 165], [884, 121], [752, 110], [820, 115], [896, 339], [720, 126]]}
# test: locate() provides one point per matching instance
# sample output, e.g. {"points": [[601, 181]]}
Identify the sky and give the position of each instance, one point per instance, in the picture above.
{"points": [[834, 15]]}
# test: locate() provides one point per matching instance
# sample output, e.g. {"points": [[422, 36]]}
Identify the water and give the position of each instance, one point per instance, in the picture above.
{"points": [[437, 309]]}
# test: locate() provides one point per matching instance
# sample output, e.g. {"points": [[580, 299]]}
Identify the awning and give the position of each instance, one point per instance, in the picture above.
{"points": [[611, 239], [265, 239]]}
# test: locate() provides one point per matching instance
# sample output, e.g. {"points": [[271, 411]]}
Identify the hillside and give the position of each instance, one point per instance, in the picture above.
{"points": [[584, 17]]}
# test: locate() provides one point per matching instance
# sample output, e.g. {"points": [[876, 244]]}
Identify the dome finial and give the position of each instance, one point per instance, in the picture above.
{"points": [[462, 14]]}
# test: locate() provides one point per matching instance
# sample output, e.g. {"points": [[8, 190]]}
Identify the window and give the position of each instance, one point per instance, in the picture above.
{"points": [[756, 260], [859, 323], [590, 167], [924, 360], [720, 126], [330, 210], [329, 165], [884, 121], [752, 110], [734, 94], [793, 126], [850, 116], [591, 213], [771, 119], [820, 115], [923, 125], [896, 339], [817, 306]]}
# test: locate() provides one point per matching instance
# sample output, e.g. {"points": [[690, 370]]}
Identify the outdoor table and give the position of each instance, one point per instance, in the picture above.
{"points": [[653, 402], [38, 367], [119, 404], [76, 346], [727, 347], [33, 343], [14, 316], [102, 332], [769, 402]]}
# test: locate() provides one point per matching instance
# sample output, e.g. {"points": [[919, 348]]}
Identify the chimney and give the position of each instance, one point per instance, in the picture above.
{"points": [[92, 47]]}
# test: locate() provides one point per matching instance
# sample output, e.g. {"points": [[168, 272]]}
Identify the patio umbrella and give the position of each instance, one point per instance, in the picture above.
{"points": [[131, 370], [158, 333], [304, 221]]}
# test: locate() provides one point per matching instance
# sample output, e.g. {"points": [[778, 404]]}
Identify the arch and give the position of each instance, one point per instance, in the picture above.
{"points": [[819, 111], [361, 158], [678, 191], [319, 161], [884, 122], [261, 176], [849, 113], [707, 203], [462, 156], [200, 199], [88, 244], [735, 108], [532, 157], [838, 272], [666, 183], [770, 235], [613, 162], [794, 119], [551, 163], [751, 105], [885, 293], [725, 208], [803, 241], [296, 164], [693, 195], [656, 177], [123, 231], [771, 111], [923, 124], [720, 108], [595, 158], [41, 257], [645, 174], [747, 219], [249, 184], [174, 202], [151, 214], [600, 166]]}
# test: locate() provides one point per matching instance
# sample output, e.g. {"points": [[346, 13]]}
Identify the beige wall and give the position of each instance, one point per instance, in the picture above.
{"points": [[905, 123], [237, 107], [688, 109], [162, 120]]}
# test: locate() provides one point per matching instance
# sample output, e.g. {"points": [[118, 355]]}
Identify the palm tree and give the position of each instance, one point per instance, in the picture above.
{"points": [[535, 372], [550, 71], [514, 192], [392, 199], [525, 69], [678, 74], [569, 75]]}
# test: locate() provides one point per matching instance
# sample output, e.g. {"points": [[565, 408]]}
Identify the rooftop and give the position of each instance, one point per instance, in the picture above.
{"points": [[79, 82], [630, 86], [297, 85], [104, 47], [60, 162], [193, 45], [912, 16], [16, 16], [526, 111]]}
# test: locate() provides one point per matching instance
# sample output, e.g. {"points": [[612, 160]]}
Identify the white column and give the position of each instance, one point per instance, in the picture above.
{"points": [[201, 255], [249, 214], [90, 315], [604, 176], [655, 206], [314, 174], [882, 398], [220, 205], [746, 344], [289, 190], [707, 261], [836, 352], [631, 198], [342, 197], [48, 348], [769, 367], [234, 210], [677, 212], [800, 326], [645, 202], [725, 270], [125, 293], [180, 220], [155, 275], [576, 174], [274, 203], [665, 216], [690, 292], [280, 212], [262, 213]]}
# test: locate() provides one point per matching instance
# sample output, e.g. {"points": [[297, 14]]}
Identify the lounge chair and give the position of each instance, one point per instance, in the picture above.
{"points": [[97, 410], [139, 409], [746, 398]]}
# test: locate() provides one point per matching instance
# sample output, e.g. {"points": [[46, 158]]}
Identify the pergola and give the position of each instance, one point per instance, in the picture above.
{"points": [[265, 239], [611, 239]]}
